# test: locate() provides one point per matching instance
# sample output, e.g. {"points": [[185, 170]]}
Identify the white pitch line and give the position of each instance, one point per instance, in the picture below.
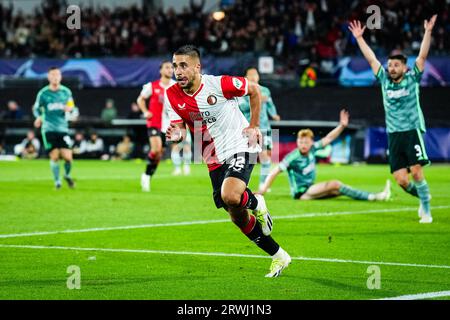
{"points": [[222, 254], [199, 222], [420, 296], [141, 226]]}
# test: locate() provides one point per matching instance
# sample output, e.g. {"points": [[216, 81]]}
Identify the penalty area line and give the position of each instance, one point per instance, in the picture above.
{"points": [[199, 222], [220, 254]]}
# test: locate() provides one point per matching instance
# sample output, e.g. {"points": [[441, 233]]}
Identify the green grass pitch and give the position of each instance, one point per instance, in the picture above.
{"points": [[138, 250]]}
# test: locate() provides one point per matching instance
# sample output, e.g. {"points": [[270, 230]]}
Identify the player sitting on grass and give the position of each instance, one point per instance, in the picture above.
{"points": [[404, 117], [301, 167]]}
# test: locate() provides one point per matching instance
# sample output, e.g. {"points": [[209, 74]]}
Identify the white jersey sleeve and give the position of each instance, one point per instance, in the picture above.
{"points": [[172, 115], [146, 91]]}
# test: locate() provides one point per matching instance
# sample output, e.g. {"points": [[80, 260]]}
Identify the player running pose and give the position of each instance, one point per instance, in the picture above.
{"points": [[54, 104], [155, 115], [208, 106], [267, 109], [300, 165], [404, 118]]}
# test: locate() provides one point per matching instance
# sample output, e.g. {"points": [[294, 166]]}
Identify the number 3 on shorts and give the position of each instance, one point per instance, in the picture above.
{"points": [[67, 140], [418, 151]]}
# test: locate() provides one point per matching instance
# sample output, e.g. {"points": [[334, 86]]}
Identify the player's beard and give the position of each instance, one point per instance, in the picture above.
{"points": [[396, 77], [188, 85]]}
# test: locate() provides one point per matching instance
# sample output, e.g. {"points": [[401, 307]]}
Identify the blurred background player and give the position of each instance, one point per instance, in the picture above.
{"points": [[404, 118], [54, 103], [300, 165], [267, 109], [181, 153], [29, 147], [207, 105], [154, 91]]}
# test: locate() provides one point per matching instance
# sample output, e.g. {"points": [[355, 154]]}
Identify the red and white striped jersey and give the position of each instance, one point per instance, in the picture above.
{"points": [[155, 92], [213, 116]]}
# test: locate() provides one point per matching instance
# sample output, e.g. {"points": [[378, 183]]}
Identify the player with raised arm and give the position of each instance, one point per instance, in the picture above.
{"points": [[404, 118], [155, 115], [268, 109], [54, 105], [208, 106], [300, 165]]}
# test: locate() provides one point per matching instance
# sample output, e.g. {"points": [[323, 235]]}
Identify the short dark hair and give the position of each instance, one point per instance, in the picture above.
{"points": [[400, 57], [188, 50], [250, 68], [53, 68], [163, 63]]}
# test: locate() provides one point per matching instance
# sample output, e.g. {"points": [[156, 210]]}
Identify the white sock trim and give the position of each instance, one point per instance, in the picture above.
{"points": [[279, 254]]}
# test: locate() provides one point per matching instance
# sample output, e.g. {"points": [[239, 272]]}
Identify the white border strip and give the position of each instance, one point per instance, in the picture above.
{"points": [[420, 296], [221, 254], [199, 222]]}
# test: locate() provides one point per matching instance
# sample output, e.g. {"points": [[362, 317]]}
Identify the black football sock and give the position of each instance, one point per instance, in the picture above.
{"points": [[152, 164], [254, 232], [150, 169]]}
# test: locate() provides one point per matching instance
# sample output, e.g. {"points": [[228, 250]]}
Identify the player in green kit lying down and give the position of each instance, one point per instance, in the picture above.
{"points": [[300, 165]]}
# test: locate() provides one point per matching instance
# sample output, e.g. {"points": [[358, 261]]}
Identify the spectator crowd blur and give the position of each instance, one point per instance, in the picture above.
{"points": [[297, 29]]}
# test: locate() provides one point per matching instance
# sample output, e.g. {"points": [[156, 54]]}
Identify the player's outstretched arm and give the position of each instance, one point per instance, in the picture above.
{"points": [[270, 179], [426, 42], [357, 30], [333, 134]]}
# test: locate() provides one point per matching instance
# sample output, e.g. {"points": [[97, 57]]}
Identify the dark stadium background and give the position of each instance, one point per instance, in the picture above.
{"points": [[35, 31]]}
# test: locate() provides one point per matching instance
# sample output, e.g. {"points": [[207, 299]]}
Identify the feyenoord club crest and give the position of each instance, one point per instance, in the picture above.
{"points": [[212, 100]]}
